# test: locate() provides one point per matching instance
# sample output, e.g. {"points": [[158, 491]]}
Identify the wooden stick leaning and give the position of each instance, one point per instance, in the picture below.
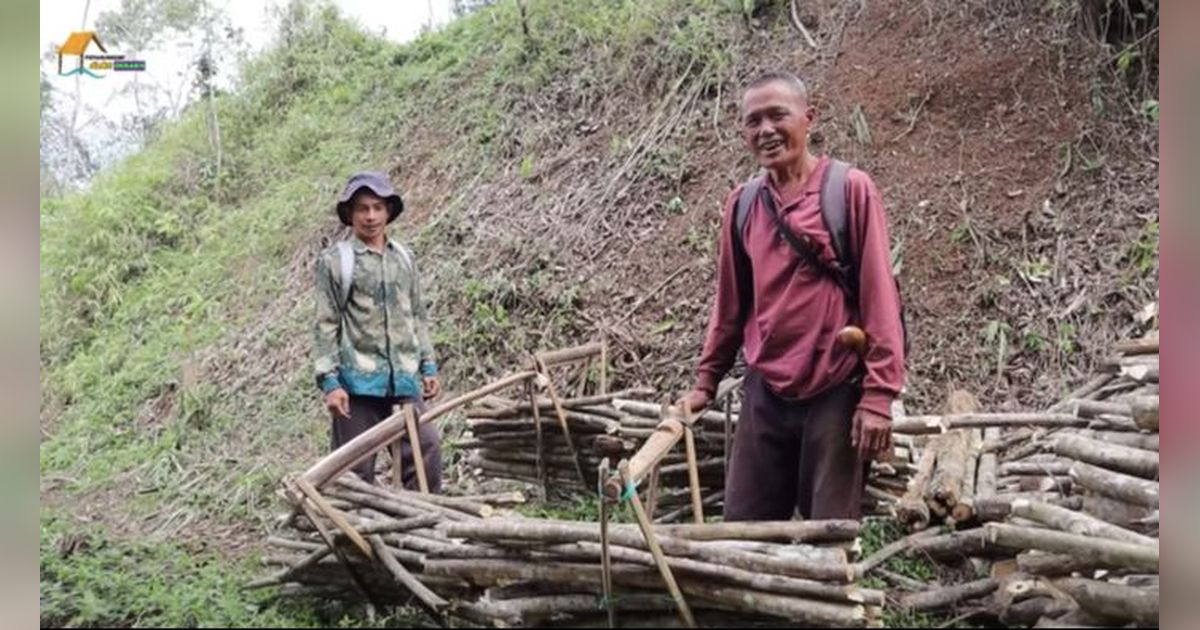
{"points": [[685, 612], [432, 602], [414, 438], [392, 428], [689, 441], [545, 380]]}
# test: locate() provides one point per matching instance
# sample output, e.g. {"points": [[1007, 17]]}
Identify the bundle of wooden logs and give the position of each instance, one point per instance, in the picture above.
{"points": [[1059, 507], [509, 439], [468, 557]]}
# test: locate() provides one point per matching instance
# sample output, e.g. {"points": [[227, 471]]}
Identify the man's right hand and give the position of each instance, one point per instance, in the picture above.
{"points": [[695, 400], [338, 403]]}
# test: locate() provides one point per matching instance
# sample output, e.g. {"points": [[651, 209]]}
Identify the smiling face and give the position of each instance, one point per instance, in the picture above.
{"points": [[368, 215], [775, 122]]}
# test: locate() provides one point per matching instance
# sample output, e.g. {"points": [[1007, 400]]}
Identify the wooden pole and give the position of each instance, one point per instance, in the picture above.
{"points": [[603, 366], [544, 379], [414, 437], [1110, 552], [1125, 459], [685, 612], [432, 602], [1107, 483], [567, 355], [392, 428], [1077, 522], [693, 476], [538, 443]]}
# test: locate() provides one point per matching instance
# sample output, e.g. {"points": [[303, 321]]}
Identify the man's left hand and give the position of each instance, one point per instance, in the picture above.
{"points": [[432, 387], [871, 434]]}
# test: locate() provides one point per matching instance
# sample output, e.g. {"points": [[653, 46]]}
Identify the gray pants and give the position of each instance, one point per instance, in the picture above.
{"points": [[368, 411]]}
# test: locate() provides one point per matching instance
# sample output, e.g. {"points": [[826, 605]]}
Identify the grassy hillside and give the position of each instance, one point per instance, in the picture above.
{"points": [[560, 167]]}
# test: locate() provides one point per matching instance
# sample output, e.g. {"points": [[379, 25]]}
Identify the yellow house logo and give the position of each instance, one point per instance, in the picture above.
{"points": [[93, 65]]}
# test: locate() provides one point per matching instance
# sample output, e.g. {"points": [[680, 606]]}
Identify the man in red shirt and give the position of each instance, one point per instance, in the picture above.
{"points": [[814, 411]]}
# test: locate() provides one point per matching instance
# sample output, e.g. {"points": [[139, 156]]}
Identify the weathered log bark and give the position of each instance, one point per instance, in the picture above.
{"points": [[1147, 345], [985, 473], [917, 425], [748, 579], [1115, 485], [1118, 512], [946, 596], [1008, 469], [797, 609], [1087, 390], [964, 509], [561, 532], [1077, 522], [1094, 408], [912, 510], [568, 355], [1145, 412], [963, 543], [817, 531], [1054, 564], [1028, 611], [434, 604], [1114, 601], [1144, 441], [945, 486], [1132, 461], [1112, 552]]}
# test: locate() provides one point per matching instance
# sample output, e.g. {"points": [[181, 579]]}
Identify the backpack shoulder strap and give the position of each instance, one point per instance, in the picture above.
{"points": [[744, 203], [346, 267], [836, 217]]}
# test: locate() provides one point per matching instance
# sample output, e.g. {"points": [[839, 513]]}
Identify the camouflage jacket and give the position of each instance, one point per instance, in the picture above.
{"points": [[380, 343]]}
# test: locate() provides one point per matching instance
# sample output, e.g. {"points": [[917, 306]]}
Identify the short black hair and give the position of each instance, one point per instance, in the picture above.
{"points": [[779, 76]]}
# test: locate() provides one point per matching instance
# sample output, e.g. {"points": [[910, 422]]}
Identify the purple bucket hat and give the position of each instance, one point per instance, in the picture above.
{"points": [[377, 183]]}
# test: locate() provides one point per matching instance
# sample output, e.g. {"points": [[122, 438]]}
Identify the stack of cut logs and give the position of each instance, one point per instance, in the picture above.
{"points": [[466, 557], [504, 440], [1060, 507], [503, 443]]}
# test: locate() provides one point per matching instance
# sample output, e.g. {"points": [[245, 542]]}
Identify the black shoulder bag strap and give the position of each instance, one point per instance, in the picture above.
{"points": [[806, 250]]}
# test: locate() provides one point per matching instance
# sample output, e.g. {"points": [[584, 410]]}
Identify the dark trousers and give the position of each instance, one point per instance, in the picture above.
{"points": [[366, 412], [791, 456]]}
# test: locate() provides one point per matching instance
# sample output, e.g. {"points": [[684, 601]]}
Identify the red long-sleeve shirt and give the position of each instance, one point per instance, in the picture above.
{"points": [[794, 311]]}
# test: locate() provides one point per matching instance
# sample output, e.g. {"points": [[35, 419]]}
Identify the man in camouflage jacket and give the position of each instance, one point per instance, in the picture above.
{"points": [[371, 337]]}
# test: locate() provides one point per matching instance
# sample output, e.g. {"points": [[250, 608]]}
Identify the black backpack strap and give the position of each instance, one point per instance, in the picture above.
{"points": [[837, 222], [804, 246], [741, 260], [744, 203]]}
